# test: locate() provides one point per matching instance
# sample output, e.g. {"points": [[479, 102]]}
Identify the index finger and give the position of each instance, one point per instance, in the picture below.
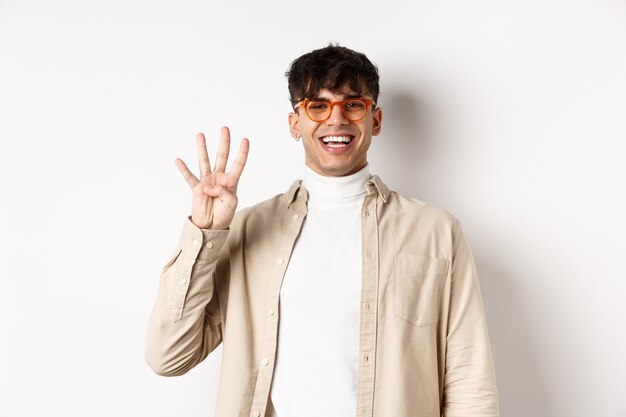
{"points": [[240, 161]]}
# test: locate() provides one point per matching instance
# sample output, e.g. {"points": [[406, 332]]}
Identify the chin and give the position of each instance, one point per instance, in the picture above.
{"points": [[338, 171]]}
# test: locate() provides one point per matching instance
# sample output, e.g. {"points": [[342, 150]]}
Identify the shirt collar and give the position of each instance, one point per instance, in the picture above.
{"points": [[373, 185], [335, 192]]}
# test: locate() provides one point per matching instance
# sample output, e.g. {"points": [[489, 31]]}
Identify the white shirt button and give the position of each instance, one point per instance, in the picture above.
{"points": [[209, 245], [270, 312], [256, 413], [185, 282], [296, 216], [265, 362], [280, 261]]}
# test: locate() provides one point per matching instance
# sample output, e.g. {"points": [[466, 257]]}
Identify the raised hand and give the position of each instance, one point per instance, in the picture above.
{"points": [[214, 195]]}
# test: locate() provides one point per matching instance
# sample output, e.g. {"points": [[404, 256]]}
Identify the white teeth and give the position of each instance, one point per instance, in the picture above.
{"points": [[344, 139]]}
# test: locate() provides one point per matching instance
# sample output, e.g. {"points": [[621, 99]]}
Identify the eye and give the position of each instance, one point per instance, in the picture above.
{"points": [[317, 106], [354, 105]]}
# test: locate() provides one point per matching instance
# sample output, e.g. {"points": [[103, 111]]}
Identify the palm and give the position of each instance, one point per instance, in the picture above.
{"points": [[212, 211], [214, 194]]}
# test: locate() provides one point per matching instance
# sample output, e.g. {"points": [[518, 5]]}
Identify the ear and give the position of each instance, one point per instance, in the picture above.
{"points": [[377, 120], [294, 125]]}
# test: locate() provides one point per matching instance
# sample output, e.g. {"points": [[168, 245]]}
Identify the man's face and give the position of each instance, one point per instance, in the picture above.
{"points": [[334, 159]]}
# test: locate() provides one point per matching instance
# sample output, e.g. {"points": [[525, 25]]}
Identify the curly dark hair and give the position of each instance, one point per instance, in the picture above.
{"points": [[333, 68]]}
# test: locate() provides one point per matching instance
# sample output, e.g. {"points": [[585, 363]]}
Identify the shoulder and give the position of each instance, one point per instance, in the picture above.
{"points": [[398, 211], [416, 214], [399, 201], [262, 225], [410, 225], [267, 212], [260, 210], [396, 204]]}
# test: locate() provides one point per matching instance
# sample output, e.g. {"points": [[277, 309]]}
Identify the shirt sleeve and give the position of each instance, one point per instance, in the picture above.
{"points": [[469, 381], [184, 326]]}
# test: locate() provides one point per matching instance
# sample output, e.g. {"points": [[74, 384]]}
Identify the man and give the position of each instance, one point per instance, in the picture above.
{"points": [[337, 298]]}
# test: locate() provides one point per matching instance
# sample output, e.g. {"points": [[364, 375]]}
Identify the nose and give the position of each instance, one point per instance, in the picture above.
{"points": [[336, 116]]}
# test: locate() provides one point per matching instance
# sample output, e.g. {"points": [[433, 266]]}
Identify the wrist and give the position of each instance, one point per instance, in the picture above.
{"points": [[199, 224], [214, 227]]}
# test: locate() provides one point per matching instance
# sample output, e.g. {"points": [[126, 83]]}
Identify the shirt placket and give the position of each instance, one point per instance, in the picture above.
{"points": [[292, 223], [369, 305]]}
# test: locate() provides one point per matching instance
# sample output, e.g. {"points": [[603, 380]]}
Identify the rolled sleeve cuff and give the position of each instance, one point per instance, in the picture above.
{"points": [[201, 243]]}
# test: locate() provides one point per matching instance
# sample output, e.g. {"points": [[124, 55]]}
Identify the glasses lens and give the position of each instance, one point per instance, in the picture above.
{"points": [[318, 110], [354, 109]]}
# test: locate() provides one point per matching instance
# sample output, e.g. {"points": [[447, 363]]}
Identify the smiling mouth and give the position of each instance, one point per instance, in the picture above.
{"points": [[337, 141]]}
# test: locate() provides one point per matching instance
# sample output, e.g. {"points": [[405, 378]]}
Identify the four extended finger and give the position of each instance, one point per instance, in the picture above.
{"points": [[203, 156], [189, 177], [222, 151]]}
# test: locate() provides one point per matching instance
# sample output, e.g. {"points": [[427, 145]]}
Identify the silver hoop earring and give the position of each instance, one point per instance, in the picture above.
{"points": [[297, 138]]}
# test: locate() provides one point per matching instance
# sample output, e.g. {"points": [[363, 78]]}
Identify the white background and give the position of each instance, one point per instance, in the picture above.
{"points": [[509, 114]]}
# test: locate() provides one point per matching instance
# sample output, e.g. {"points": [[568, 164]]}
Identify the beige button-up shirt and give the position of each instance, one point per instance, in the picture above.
{"points": [[424, 349]]}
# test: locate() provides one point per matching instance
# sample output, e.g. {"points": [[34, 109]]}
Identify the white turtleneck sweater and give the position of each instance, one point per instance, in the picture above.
{"points": [[318, 334]]}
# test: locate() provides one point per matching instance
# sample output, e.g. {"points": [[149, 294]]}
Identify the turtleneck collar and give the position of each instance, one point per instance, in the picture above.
{"points": [[335, 191]]}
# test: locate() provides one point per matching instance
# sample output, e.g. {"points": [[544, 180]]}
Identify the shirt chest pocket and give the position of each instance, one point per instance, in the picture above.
{"points": [[417, 285]]}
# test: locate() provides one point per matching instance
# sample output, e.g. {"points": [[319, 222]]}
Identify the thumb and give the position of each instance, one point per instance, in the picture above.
{"points": [[222, 194]]}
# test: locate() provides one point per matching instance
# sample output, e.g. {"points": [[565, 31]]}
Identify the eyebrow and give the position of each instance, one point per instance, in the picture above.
{"points": [[348, 97]]}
